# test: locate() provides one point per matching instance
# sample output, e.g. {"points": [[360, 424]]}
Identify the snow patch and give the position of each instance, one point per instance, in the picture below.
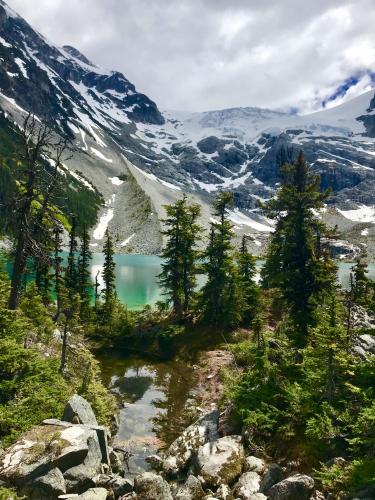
{"points": [[116, 181], [241, 219], [362, 214], [4, 43], [22, 66], [104, 220], [128, 240], [100, 155]]}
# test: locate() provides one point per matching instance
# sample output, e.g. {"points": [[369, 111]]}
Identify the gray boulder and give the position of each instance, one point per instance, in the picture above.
{"points": [[191, 490], [221, 461], [47, 487], [94, 494], [247, 485], [150, 486], [298, 486], [273, 475], [80, 477], [224, 492], [47, 447], [254, 464], [185, 447], [77, 408], [155, 461], [121, 486]]}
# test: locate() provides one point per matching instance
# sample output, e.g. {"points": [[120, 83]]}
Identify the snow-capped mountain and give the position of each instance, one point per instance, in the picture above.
{"points": [[140, 158]]}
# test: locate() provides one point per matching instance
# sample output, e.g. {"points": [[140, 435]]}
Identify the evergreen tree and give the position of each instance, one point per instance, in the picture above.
{"points": [[71, 273], [301, 269], [108, 275], [57, 266], [222, 298], [43, 278], [33, 212], [179, 269], [361, 282], [328, 350], [250, 290], [84, 277]]}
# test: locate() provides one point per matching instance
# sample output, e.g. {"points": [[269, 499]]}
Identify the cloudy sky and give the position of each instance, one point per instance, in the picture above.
{"points": [[212, 54]]}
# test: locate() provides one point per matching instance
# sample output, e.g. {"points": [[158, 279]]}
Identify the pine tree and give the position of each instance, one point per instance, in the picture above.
{"points": [[221, 299], [303, 271], [179, 269], [71, 273], [34, 215], [57, 266], [84, 276], [361, 282], [250, 290], [108, 274], [328, 350], [43, 278]]}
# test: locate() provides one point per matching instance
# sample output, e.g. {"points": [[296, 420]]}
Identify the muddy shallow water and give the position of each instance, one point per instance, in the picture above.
{"points": [[157, 403]]}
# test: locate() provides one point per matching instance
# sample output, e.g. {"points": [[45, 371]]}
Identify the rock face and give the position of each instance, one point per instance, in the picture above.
{"points": [[185, 447], [77, 408], [254, 464], [247, 485], [55, 458], [94, 494], [273, 475], [150, 486], [45, 487], [297, 486], [221, 461], [191, 490]]}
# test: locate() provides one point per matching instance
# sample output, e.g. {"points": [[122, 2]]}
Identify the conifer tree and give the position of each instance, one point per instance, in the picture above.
{"points": [[361, 282], [250, 290], [84, 277], [179, 269], [108, 274], [328, 350], [221, 299], [33, 212], [302, 270], [57, 266], [71, 273]]}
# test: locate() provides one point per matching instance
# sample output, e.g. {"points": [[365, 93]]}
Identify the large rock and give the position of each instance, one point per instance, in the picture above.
{"points": [[221, 461], [254, 464], [121, 486], [224, 492], [47, 447], [273, 475], [78, 410], [100, 431], [185, 447], [191, 490], [47, 487], [150, 486], [247, 485], [80, 477], [298, 486], [94, 494]]}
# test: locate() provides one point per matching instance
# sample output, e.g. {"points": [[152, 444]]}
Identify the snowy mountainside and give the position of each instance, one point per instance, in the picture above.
{"points": [[140, 158]]}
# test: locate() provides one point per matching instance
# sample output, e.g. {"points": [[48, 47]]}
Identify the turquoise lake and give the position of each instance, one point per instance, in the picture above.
{"points": [[137, 283]]}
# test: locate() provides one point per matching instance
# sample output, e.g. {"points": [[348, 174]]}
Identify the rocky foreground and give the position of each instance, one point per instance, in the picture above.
{"points": [[71, 458]]}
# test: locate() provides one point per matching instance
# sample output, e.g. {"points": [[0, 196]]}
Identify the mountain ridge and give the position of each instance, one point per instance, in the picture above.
{"points": [[120, 133]]}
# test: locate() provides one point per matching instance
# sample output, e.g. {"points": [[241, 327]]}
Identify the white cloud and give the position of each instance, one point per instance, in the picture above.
{"points": [[209, 54]]}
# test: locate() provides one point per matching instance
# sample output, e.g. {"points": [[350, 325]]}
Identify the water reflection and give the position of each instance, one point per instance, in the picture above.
{"points": [[155, 398]]}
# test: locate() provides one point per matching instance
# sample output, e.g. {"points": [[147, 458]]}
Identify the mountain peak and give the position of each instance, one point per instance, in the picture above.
{"points": [[72, 51]]}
